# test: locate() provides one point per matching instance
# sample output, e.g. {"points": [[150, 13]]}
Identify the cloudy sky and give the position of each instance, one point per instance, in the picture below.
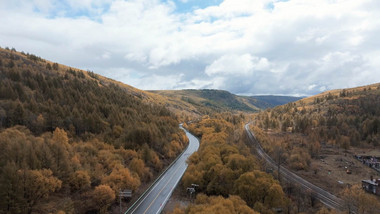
{"points": [[287, 47]]}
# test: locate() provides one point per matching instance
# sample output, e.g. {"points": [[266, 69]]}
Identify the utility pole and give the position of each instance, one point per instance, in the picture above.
{"points": [[191, 190], [279, 159], [194, 185], [126, 193]]}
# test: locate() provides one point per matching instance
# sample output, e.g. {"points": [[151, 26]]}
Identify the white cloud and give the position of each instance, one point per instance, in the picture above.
{"points": [[261, 46], [311, 87], [106, 55], [156, 82], [137, 57], [230, 64], [237, 65]]}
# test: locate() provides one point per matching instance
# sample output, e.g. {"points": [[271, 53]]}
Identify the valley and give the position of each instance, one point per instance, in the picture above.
{"points": [[65, 151], [189, 107]]}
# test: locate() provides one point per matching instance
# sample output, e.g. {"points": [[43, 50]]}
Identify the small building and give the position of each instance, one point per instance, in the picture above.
{"points": [[371, 186]]}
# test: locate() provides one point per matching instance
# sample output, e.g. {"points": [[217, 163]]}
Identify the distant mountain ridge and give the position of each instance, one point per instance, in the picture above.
{"points": [[270, 101], [220, 99], [190, 102], [208, 100], [205, 100]]}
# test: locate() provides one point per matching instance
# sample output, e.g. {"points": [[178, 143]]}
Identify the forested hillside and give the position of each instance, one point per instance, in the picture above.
{"points": [[228, 178], [270, 101], [209, 101], [224, 166], [319, 137], [340, 118], [70, 139]]}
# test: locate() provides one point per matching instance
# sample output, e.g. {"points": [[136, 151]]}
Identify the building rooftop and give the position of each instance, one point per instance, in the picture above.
{"points": [[370, 182]]}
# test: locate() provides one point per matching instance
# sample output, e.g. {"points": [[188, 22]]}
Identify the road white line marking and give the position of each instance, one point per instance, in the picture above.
{"points": [[162, 189]]}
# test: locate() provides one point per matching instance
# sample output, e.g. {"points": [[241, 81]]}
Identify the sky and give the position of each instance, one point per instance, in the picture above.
{"points": [[247, 47]]}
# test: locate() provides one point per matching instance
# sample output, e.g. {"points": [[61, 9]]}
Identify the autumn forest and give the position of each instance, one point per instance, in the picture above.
{"points": [[71, 140]]}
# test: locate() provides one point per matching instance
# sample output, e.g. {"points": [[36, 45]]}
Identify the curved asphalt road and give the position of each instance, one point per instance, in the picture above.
{"points": [[325, 197], [157, 196]]}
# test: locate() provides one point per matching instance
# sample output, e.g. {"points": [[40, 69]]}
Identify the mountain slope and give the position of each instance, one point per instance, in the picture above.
{"points": [[323, 133], [75, 100], [352, 113], [209, 100], [270, 101], [73, 134]]}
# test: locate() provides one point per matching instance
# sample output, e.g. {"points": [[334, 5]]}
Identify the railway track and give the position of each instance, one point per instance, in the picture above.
{"points": [[322, 195]]}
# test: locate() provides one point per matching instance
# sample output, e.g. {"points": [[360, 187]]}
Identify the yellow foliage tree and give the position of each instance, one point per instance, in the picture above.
{"points": [[121, 178], [61, 150], [221, 180], [259, 187], [358, 201], [138, 166], [37, 184], [60, 136], [155, 161], [218, 204], [103, 196], [193, 175], [80, 180], [299, 159]]}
